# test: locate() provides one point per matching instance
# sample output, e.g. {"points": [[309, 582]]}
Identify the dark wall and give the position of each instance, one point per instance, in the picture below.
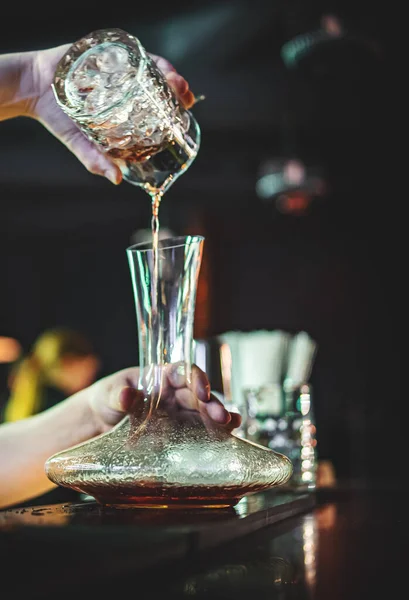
{"points": [[337, 272]]}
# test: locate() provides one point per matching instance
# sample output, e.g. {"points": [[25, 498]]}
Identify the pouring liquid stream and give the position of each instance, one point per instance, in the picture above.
{"points": [[156, 331]]}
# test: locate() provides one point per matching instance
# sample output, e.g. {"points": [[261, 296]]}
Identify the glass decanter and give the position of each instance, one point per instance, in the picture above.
{"points": [[112, 89], [160, 456]]}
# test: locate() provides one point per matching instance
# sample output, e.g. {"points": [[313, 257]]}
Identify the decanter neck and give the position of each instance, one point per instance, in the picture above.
{"points": [[165, 303]]}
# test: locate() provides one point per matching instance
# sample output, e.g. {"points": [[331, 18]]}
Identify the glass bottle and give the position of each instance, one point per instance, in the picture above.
{"points": [[282, 418], [160, 456], [301, 436], [112, 89]]}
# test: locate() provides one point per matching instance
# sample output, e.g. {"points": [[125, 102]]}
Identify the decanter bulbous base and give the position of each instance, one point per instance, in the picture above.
{"points": [[168, 463]]}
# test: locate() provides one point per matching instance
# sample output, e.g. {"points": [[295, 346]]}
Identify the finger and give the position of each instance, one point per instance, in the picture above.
{"points": [[196, 381], [177, 82], [163, 64], [124, 399], [200, 384], [61, 126], [93, 160], [185, 399], [235, 421], [129, 397], [217, 411], [188, 99], [181, 89]]}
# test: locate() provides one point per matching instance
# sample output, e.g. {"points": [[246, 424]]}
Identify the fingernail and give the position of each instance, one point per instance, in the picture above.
{"points": [[218, 413], [123, 400], [188, 99], [183, 85]]}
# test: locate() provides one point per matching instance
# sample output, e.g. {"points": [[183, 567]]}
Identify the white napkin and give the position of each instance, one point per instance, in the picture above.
{"points": [[251, 360], [262, 358], [301, 355]]}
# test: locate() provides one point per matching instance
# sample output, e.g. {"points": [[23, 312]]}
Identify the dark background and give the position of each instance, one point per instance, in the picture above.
{"points": [[337, 272]]}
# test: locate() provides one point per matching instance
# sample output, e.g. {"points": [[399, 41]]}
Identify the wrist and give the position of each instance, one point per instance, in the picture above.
{"points": [[70, 422], [28, 93], [17, 93]]}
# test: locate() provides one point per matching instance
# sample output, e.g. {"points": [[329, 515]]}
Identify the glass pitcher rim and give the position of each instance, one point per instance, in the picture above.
{"points": [[166, 243]]}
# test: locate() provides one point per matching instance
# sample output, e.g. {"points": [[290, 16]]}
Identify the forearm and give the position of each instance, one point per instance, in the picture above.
{"points": [[16, 85], [26, 445]]}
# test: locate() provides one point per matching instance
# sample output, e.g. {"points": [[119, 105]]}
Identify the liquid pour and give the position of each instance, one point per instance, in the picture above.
{"points": [[156, 330]]}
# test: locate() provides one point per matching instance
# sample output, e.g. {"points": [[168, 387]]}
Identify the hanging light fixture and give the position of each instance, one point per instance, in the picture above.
{"points": [[291, 184]]}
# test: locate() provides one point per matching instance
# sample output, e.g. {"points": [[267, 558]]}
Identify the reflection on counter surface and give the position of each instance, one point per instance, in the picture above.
{"points": [[91, 513], [173, 538], [351, 544], [283, 566]]}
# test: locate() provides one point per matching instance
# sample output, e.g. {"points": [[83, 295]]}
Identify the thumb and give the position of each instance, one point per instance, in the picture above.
{"points": [[126, 401]]}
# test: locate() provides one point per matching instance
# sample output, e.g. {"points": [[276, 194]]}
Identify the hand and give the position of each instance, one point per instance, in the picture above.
{"points": [[27, 444], [44, 108], [112, 397]]}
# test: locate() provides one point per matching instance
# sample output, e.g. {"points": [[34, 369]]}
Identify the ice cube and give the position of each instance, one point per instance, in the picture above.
{"points": [[153, 130], [80, 83], [85, 81], [120, 116], [101, 99], [112, 59], [122, 130]]}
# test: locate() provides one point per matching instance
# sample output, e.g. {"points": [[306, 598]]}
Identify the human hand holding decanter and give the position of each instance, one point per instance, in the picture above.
{"points": [[26, 444], [117, 395]]}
